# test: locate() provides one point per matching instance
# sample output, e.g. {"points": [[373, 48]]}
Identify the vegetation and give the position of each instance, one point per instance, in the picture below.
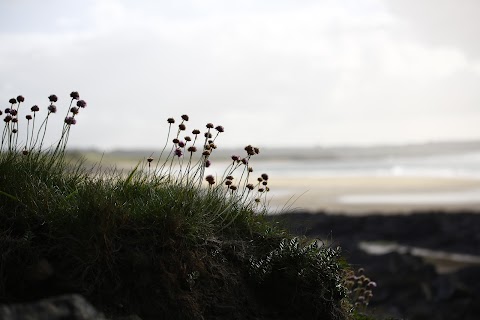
{"points": [[165, 240]]}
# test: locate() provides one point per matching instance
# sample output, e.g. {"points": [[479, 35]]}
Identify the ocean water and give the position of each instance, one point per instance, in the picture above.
{"points": [[464, 165], [447, 168]]}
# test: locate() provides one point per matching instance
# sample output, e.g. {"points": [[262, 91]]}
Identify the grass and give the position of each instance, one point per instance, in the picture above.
{"points": [[164, 241]]}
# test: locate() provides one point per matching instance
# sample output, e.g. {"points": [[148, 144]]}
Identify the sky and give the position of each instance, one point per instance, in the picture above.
{"points": [[274, 73]]}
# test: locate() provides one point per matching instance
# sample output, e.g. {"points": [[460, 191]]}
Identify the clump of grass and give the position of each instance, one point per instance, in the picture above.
{"points": [[165, 241]]}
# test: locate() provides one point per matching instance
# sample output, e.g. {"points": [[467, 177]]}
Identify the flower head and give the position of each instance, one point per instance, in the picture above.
{"points": [[208, 163], [74, 110], [210, 179], [185, 117], [187, 138], [70, 121], [52, 108], [182, 127], [178, 152], [35, 108], [13, 112], [150, 159], [219, 128], [171, 120], [81, 104], [235, 158], [209, 125], [196, 131], [15, 120], [192, 149], [12, 101], [53, 98], [74, 95], [181, 144], [28, 117], [7, 118], [265, 176], [20, 99], [7, 110]]}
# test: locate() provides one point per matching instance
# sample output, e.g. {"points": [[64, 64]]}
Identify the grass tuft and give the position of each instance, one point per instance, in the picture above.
{"points": [[165, 240]]}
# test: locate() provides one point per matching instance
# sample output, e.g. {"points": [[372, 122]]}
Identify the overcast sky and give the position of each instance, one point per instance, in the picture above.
{"points": [[272, 72]]}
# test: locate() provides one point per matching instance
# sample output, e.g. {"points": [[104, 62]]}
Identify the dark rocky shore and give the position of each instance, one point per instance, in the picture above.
{"points": [[409, 286]]}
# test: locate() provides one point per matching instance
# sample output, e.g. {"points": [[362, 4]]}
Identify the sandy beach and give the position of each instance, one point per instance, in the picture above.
{"points": [[366, 194]]}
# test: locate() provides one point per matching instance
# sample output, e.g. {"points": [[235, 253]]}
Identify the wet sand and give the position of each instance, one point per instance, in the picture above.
{"points": [[367, 195]]}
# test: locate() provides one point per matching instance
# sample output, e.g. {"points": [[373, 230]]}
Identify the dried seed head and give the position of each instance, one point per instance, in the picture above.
{"points": [[52, 98], [264, 183], [250, 169], [257, 200], [261, 189], [15, 120], [233, 188], [25, 152], [74, 95], [150, 159], [178, 152], [265, 176], [210, 141], [1, 112], [235, 158], [213, 146], [209, 125], [14, 131], [228, 182], [52, 108], [196, 131], [171, 120], [182, 127], [185, 117], [181, 144], [208, 163], [20, 99], [35, 108], [219, 128], [81, 104], [192, 149], [208, 135], [187, 138], [8, 118], [259, 179], [12, 101], [206, 153], [256, 150], [28, 117], [175, 141], [13, 112], [7, 110], [210, 179], [74, 110], [245, 161], [250, 186], [207, 147], [229, 178]]}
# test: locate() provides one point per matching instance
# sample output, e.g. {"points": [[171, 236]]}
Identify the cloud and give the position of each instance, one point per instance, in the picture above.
{"points": [[310, 73]]}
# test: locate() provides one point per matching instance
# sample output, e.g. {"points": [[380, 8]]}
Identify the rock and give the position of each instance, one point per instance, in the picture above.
{"points": [[73, 307]]}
